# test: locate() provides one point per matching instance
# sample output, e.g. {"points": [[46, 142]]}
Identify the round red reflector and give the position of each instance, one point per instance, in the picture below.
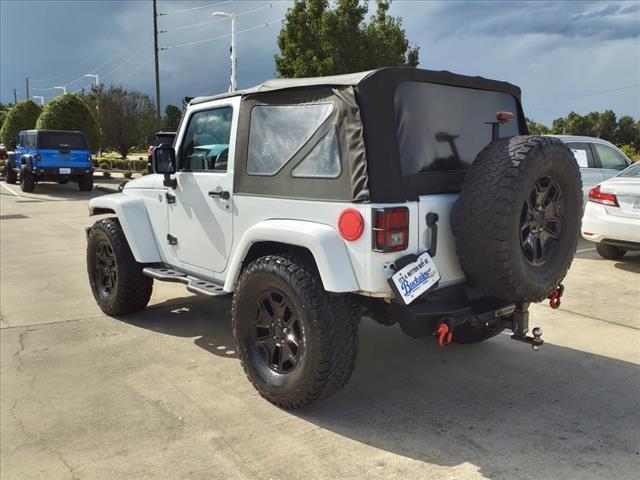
{"points": [[351, 224]]}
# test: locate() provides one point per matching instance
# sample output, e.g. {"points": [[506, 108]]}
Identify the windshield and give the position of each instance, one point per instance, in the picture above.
{"points": [[632, 171], [443, 127], [54, 140]]}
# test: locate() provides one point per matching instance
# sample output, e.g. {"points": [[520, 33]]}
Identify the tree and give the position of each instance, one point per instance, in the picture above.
{"points": [[171, 118], [70, 112], [606, 126], [318, 40], [22, 116], [537, 128], [627, 133], [127, 119]]}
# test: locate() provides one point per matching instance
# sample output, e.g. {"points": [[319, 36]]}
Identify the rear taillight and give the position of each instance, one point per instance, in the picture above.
{"points": [[37, 157], [390, 229], [595, 195]]}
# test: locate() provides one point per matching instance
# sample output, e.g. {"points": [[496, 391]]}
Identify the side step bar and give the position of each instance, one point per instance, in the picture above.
{"points": [[194, 284]]}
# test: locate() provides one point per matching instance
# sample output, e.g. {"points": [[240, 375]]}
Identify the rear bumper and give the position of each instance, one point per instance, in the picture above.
{"points": [[55, 171], [601, 227], [453, 304]]}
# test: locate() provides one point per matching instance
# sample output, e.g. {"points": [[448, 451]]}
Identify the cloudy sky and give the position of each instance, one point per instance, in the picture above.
{"points": [[580, 56]]}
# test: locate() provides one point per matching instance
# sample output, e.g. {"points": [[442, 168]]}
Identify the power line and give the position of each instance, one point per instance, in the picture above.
{"points": [[193, 8], [184, 27], [635, 85], [133, 71], [226, 35], [104, 75]]}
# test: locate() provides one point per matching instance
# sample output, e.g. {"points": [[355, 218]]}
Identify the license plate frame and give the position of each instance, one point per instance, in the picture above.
{"points": [[415, 278], [64, 171]]}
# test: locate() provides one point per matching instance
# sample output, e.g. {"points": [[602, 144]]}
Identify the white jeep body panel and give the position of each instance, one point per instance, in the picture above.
{"points": [[132, 214]]}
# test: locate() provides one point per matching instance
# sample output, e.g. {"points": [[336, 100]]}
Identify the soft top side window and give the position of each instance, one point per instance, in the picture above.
{"points": [[277, 132]]}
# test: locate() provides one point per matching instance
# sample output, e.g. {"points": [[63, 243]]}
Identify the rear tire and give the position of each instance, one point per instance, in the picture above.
{"points": [[85, 182], [116, 279], [27, 181], [297, 343], [609, 251]]}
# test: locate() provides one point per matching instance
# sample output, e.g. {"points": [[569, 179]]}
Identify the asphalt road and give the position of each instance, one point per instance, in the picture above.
{"points": [[161, 394]]}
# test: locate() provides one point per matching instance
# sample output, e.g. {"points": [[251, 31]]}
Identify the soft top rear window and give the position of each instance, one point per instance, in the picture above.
{"points": [[442, 127], [54, 140]]}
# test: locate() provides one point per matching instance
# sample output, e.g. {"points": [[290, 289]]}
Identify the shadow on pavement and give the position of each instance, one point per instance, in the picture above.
{"points": [[629, 263], [507, 411], [209, 321]]}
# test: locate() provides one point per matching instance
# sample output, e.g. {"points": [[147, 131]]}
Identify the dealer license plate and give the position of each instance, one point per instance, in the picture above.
{"points": [[64, 170], [636, 204], [416, 278]]}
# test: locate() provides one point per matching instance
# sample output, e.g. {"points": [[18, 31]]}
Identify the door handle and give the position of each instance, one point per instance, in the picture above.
{"points": [[171, 198], [432, 220], [223, 194]]}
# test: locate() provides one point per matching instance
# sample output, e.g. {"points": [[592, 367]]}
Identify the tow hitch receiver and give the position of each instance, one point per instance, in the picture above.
{"points": [[520, 326]]}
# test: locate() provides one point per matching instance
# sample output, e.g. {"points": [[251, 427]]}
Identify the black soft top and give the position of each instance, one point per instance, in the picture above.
{"points": [[366, 120], [371, 80]]}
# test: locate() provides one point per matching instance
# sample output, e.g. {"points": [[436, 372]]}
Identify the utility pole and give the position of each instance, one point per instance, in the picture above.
{"points": [[155, 51], [27, 79], [15, 96]]}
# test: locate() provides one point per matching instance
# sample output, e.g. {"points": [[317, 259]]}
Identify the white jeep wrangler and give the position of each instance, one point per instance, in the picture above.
{"points": [[410, 196]]}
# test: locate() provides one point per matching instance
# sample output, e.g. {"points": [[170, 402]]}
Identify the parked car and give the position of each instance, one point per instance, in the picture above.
{"points": [[612, 215], [316, 200], [160, 138], [598, 160], [50, 155]]}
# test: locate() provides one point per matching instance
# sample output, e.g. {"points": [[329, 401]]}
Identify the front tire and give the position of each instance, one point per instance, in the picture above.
{"points": [[9, 175], [609, 251], [27, 181], [116, 279], [297, 343]]}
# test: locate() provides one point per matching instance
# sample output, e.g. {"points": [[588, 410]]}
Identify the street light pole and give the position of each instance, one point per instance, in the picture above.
{"points": [[233, 86], [157, 67], [63, 88], [41, 98], [96, 77]]}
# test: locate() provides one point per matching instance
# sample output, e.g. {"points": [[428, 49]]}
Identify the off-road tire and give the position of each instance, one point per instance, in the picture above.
{"points": [[9, 175], [475, 333], [132, 289], [486, 218], [610, 252], [27, 181], [85, 182], [330, 324]]}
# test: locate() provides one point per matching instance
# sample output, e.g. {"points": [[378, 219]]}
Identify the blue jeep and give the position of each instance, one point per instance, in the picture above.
{"points": [[50, 155]]}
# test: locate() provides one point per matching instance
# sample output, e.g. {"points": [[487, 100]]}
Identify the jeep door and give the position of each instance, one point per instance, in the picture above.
{"points": [[200, 207]]}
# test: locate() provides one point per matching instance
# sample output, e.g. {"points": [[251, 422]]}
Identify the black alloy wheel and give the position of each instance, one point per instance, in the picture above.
{"points": [[541, 221], [105, 274], [279, 335]]}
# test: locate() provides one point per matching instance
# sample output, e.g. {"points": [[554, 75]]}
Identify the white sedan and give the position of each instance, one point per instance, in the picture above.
{"points": [[612, 214]]}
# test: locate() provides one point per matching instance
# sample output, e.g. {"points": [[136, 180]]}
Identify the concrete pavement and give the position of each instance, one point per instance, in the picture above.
{"points": [[161, 394]]}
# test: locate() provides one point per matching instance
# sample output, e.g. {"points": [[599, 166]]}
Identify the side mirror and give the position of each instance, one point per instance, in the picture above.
{"points": [[163, 160]]}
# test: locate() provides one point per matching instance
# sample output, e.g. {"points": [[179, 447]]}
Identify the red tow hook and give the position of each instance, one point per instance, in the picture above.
{"points": [[554, 298], [444, 335]]}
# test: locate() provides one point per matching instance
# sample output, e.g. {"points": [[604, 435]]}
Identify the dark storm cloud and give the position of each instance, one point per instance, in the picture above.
{"points": [[571, 19], [552, 50]]}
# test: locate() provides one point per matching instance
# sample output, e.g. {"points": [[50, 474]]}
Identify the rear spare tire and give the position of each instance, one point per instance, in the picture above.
{"points": [[517, 219]]}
